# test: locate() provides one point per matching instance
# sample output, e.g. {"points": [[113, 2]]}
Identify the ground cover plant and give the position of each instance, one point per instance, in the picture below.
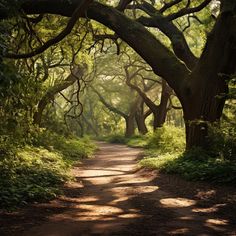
{"points": [[164, 150], [35, 173]]}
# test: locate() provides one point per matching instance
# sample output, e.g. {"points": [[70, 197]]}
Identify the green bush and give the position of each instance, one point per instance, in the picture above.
{"points": [[193, 165], [168, 139], [165, 147], [223, 141], [117, 138], [30, 174], [35, 173], [71, 149], [137, 141], [134, 141]]}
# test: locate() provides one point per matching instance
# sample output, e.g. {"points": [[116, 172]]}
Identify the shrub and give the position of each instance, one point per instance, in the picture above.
{"points": [[137, 141], [217, 164], [193, 165], [168, 139], [30, 174], [117, 138], [223, 141], [35, 173], [71, 149]]}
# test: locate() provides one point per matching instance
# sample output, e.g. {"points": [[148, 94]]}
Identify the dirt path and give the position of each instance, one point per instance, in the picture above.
{"points": [[111, 196]]}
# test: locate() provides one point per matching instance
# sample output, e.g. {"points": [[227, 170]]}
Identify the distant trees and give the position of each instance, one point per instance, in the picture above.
{"points": [[118, 96]]}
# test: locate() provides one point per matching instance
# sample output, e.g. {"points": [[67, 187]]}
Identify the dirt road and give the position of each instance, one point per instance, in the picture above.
{"points": [[112, 196]]}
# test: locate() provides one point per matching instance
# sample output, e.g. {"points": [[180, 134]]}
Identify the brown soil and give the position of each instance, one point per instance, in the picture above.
{"points": [[112, 196]]}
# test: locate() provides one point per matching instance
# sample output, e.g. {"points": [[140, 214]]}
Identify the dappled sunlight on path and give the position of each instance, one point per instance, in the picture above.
{"points": [[112, 196]]}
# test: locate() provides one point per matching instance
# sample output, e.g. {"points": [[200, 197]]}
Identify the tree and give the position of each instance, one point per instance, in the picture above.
{"points": [[199, 83], [159, 111], [129, 117], [53, 91], [115, 94]]}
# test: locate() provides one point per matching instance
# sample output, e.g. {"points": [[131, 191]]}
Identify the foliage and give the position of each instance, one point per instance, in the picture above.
{"points": [[217, 164], [194, 165], [137, 141], [223, 141], [30, 174], [164, 139], [18, 96], [70, 148], [167, 139], [33, 173], [134, 141], [116, 138]]}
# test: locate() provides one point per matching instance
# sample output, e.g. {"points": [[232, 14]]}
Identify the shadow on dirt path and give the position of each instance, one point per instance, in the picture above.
{"points": [[112, 196]]}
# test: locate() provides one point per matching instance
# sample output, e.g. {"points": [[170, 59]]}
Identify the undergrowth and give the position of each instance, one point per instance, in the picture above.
{"points": [[34, 173], [193, 165], [165, 150], [134, 141]]}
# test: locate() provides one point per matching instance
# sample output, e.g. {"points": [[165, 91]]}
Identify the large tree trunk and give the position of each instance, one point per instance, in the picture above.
{"points": [[206, 107], [204, 98]]}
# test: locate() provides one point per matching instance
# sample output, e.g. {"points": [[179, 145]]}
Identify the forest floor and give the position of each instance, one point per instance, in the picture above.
{"points": [[111, 195]]}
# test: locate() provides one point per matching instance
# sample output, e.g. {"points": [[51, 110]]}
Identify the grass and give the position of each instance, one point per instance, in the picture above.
{"points": [[134, 141], [165, 152], [35, 173], [193, 165]]}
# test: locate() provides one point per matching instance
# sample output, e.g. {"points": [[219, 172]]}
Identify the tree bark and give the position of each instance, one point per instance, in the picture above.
{"points": [[204, 98], [140, 121], [129, 128], [161, 110], [140, 117]]}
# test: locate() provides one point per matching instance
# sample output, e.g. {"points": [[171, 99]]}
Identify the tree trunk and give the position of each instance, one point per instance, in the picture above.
{"points": [[129, 128], [205, 109], [160, 111], [203, 100], [37, 118], [140, 119]]}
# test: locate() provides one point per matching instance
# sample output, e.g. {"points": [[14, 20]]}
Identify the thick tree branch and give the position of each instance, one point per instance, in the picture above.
{"points": [[109, 106], [163, 62], [179, 43]]}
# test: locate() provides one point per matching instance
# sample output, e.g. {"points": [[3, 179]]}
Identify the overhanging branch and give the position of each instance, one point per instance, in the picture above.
{"points": [[55, 40]]}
